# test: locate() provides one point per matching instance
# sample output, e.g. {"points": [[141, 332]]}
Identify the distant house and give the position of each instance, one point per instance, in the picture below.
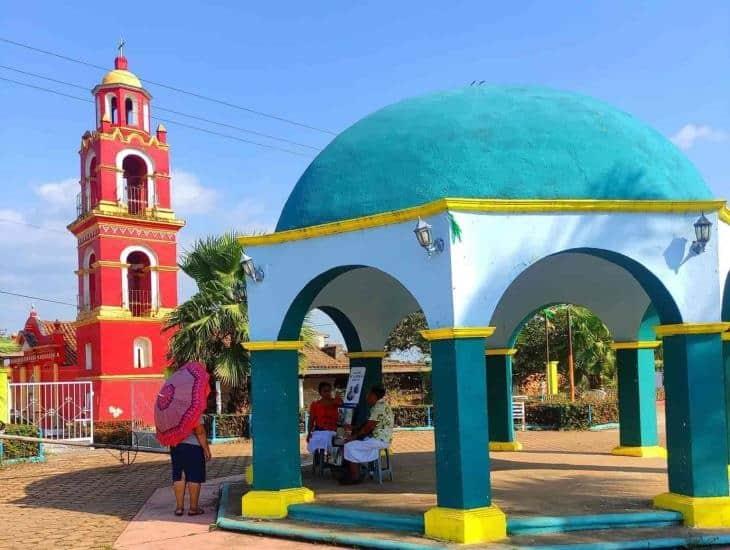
{"points": [[330, 363]]}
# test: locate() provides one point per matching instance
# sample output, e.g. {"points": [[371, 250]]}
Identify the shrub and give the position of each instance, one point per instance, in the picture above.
{"points": [[580, 415], [228, 425], [414, 416], [21, 449], [113, 432]]}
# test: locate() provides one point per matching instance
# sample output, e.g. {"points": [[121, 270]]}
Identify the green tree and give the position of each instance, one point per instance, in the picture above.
{"points": [[593, 357], [213, 323], [406, 334]]}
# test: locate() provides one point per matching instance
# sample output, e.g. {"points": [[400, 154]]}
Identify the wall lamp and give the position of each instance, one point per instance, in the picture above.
{"points": [[255, 273], [425, 238], [702, 234]]}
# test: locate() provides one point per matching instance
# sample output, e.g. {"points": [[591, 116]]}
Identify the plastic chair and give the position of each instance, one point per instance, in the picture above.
{"points": [[381, 465]]}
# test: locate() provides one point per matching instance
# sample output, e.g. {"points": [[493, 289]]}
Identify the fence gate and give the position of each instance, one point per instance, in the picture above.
{"points": [[59, 410]]}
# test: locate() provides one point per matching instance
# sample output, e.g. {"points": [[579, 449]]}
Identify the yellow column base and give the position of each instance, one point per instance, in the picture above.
{"points": [[641, 452], [273, 504], [704, 512], [466, 526], [499, 446], [248, 474]]}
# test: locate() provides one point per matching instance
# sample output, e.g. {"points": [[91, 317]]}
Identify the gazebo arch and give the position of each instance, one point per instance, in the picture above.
{"points": [[498, 194]]}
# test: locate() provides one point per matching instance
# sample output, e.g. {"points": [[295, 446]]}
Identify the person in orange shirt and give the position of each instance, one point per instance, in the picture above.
{"points": [[322, 419]]}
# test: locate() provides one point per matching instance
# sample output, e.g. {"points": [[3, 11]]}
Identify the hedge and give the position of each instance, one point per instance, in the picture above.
{"points": [[413, 416], [580, 415], [113, 432], [228, 425], [21, 449]]}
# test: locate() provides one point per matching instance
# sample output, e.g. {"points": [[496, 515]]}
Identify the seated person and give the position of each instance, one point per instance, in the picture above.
{"points": [[322, 419], [366, 442]]}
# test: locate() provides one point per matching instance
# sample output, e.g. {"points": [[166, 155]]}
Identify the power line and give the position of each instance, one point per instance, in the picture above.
{"points": [[159, 108], [166, 120], [173, 88], [36, 298], [17, 222]]}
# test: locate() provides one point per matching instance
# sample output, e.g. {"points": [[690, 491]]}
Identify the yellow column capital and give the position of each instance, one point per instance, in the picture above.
{"points": [[452, 333], [639, 344], [275, 345]]}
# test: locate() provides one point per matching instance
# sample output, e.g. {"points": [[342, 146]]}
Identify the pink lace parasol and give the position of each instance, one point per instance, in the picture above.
{"points": [[180, 403]]}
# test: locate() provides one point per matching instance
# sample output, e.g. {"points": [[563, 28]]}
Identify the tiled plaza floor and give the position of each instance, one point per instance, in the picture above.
{"points": [[85, 498]]}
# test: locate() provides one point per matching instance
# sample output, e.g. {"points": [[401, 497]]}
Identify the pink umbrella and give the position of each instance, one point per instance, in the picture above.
{"points": [[180, 403]]}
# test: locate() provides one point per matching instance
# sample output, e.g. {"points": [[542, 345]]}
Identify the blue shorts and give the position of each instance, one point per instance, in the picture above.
{"points": [[189, 460]]}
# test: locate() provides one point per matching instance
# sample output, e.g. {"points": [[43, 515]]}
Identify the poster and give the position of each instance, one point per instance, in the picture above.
{"points": [[354, 386]]}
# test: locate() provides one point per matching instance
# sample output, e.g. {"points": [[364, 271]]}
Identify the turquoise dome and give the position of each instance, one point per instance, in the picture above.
{"points": [[489, 142]]}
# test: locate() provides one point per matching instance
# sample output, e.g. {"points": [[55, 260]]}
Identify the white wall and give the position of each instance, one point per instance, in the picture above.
{"points": [[464, 285]]}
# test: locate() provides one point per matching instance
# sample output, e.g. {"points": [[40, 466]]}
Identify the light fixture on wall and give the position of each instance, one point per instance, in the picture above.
{"points": [[425, 238], [249, 268], [702, 234]]}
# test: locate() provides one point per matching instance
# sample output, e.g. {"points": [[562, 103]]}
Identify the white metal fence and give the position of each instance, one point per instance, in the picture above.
{"points": [[59, 410]]}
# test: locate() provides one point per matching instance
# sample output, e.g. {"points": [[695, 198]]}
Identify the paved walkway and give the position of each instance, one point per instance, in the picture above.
{"points": [[87, 498]]}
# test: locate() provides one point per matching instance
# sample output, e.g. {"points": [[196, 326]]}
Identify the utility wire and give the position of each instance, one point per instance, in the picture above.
{"points": [[165, 120], [36, 298], [173, 88], [16, 222], [158, 108]]}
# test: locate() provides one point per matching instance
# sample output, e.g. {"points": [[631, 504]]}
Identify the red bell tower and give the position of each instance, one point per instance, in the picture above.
{"points": [[127, 245]]}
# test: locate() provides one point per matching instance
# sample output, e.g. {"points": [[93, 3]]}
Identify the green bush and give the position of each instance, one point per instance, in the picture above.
{"points": [[580, 415], [412, 416], [604, 412], [21, 449], [113, 432], [228, 425]]}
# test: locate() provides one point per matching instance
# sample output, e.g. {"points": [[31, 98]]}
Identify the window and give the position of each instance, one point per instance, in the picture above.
{"points": [[130, 111], [114, 110], [142, 349], [88, 358]]}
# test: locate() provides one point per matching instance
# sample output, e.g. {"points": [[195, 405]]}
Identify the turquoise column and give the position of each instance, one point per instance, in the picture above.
{"points": [[373, 363], [726, 364], [637, 400], [465, 512], [499, 400], [694, 376], [277, 480]]}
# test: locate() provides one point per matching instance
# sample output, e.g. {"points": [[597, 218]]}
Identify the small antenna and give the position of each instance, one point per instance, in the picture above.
{"points": [[120, 47]]}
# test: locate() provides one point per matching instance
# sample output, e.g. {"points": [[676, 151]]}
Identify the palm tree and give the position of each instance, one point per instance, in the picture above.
{"points": [[211, 326]]}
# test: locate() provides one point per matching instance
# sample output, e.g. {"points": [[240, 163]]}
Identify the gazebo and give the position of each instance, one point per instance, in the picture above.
{"points": [[479, 206]]}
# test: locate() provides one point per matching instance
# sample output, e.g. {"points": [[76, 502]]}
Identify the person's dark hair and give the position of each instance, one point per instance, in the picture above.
{"points": [[378, 390], [323, 385]]}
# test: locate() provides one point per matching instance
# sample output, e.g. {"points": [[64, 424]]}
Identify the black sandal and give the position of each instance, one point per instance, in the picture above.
{"points": [[196, 512], [179, 511]]}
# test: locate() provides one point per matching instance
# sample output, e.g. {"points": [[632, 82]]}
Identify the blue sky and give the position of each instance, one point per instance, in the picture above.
{"points": [[326, 64]]}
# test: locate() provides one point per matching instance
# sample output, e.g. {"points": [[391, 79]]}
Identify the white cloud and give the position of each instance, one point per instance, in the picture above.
{"points": [[189, 196], [252, 216], [686, 137], [59, 194]]}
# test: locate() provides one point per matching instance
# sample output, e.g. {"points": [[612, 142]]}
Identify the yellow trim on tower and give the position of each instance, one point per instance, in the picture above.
{"points": [[277, 345], [116, 313], [725, 336], [484, 206], [452, 333], [640, 344], [500, 351], [691, 328], [366, 354], [125, 377]]}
